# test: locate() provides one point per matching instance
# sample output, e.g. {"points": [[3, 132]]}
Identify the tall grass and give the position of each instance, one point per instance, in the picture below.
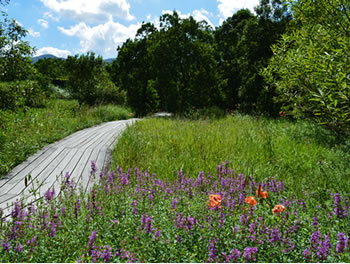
{"points": [[301, 154], [25, 131]]}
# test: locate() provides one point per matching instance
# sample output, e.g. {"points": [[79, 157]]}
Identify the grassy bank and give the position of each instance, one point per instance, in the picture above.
{"points": [[22, 133], [301, 154]]}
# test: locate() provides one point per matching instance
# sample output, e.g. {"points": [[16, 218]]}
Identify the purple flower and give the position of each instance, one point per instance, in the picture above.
{"points": [[49, 195], [342, 243], [77, 208], [52, 229], [307, 254], [107, 254], [191, 221], [156, 234], [92, 239], [339, 211], [19, 248], [6, 246], [275, 235], [93, 167], [243, 219], [323, 250], [234, 254], [315, 238], [212, 251], [16, 212], [173, 203], [314, 222], [232, 257], [250, 254], [146, 223]]}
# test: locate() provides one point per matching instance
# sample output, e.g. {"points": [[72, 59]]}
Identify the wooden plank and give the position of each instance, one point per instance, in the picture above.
{"points": [[88, 137], [59, 172], [86, 177], [99, 142], [77, 138], [40, 166], [39, 176], [24, 168], [76, 173]]}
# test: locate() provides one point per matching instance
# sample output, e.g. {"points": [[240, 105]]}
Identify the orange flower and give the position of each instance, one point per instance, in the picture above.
{"points": [[131, 114], [279, 208], [261, 193], [251, 200], [214, 200]]}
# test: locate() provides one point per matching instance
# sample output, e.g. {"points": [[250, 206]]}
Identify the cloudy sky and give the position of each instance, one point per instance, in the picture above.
{"points": [[69, 27]]}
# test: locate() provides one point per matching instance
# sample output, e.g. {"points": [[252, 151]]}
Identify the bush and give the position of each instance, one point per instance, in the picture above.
{"points": [[111, 112], [108, 93], [19, 94]]}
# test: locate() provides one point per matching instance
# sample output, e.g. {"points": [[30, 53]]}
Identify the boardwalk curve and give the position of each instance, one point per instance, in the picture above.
{"points": [[72, 154]]}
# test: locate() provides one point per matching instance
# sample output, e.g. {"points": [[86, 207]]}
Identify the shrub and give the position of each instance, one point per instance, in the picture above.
{"points": [[19, 94]]}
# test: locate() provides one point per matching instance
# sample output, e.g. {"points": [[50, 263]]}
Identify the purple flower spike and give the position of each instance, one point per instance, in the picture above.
{"points": [[49, 195], [93, 167], [342, 243], [92, 239], [250, 254]]}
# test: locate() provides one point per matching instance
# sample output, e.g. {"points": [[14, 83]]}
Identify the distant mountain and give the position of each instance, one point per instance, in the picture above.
{"points": [[110, 60], [44, 56], [50, 56]]}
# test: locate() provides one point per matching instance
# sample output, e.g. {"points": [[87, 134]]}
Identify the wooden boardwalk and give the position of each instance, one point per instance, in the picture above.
{"points": [[72, 154]]}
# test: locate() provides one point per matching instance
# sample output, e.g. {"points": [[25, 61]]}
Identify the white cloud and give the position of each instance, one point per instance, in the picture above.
{"points": [[92, 11], [49, 15], [54, 51], [33, 33], [198, 15], [43, 23], [202, 14], [103, 39], [228, 7]]}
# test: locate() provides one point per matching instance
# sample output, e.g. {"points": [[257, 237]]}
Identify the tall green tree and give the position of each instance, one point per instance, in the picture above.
{"points": [[172, 68], [89, 82], [15, 53], [243, 42]]}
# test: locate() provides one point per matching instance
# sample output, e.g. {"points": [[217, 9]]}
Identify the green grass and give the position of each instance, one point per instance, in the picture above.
{"points": [[22, 133], [301, 154]]}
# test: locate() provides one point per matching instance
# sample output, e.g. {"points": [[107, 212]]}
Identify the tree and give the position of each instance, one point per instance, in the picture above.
{"points": [[15, 53], [173, 67], [89, 82], [309, 70], [243, 42]]}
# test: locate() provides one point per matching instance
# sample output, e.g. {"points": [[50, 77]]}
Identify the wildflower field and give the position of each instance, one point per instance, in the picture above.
{"points": [[214, 214]]}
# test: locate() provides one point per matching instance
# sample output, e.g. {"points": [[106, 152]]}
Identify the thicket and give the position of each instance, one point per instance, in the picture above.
{"points": [[309, 72]]}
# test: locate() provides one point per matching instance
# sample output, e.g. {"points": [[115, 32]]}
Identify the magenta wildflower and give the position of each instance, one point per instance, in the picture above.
{"points": [[250, 254], [342, 243], [49, 195]]}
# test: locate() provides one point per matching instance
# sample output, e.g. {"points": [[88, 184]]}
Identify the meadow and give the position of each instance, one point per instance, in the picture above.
{"points": [[25, 131], [235, 189]]}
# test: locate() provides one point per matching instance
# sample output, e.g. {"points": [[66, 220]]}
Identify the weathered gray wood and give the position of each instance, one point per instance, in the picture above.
{"points": [[48, 166]]}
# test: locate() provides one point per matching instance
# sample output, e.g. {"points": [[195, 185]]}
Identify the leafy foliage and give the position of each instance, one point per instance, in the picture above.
{"points": [[172, 68], [15, 63], [89, 82], [14, 95], [309, 70]]}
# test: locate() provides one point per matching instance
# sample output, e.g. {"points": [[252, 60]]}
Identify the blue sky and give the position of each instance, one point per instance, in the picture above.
{"points": [[69, 27]]}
